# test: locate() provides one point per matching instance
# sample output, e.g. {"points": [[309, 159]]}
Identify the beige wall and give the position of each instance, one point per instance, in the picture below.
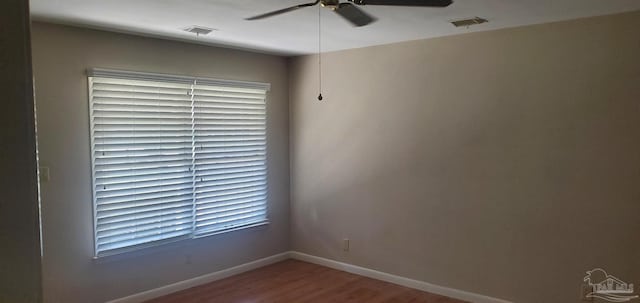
{"points": [[20, 266], [61, 56], [505, 163]]}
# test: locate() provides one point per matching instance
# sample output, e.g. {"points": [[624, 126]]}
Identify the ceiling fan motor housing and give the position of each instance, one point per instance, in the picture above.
{"points": [[330, 3]]}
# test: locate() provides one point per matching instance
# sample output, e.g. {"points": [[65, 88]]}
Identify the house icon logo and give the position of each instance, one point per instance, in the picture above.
{"points": [[607, 287]]}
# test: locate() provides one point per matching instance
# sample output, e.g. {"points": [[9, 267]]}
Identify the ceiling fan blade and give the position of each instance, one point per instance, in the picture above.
{"points": [[430, 3], [356, 16], [282, 11]]}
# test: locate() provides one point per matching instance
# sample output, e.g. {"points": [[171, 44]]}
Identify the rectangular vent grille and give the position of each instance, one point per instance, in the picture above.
{"points": [[469, 22], [199, 30]]}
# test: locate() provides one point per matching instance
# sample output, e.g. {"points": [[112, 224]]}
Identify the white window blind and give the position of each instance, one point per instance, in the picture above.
{"points": [[174, 157]]}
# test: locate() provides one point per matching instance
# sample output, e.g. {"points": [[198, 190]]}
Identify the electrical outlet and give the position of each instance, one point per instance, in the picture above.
{"points": [[345, 244], [584, 291]]}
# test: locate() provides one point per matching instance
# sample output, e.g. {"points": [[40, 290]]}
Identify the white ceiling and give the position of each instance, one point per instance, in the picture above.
{"points": [[296, 32]]}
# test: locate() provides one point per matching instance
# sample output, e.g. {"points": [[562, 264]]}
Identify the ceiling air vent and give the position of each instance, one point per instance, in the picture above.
{"points": [[468, 22], [199, 30]]}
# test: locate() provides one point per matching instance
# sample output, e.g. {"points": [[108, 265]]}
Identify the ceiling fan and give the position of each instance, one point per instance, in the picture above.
{"points": [[352, 13]]}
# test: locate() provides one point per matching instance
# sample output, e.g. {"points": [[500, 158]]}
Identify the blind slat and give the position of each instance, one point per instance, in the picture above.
{"points": [[124, 180], [220, 211], [209, 225], [230, 215], [232, 193], [107, 214], [141, 190], [253, 194], [144, 197], [139, 184], [207, 169], [133, 235], [206, 205], [105, 175], [137, 220]]}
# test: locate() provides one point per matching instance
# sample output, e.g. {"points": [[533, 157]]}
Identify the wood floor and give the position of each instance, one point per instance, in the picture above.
{"points": [[300, 282]]}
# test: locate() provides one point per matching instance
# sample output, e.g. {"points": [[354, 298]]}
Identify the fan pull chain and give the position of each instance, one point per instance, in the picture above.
{"points": [[319, 53]]}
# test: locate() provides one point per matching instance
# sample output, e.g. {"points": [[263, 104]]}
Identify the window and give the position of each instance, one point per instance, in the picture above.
{"points": [[174, 157]]}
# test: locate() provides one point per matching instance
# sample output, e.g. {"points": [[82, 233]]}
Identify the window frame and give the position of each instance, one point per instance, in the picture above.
{"points": [[169, 78]]}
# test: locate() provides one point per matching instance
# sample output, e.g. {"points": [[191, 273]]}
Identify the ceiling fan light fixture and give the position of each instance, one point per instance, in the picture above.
{"points": [[333, 4]]}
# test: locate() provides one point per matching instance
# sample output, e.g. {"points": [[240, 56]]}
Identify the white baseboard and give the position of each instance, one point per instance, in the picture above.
{"points": [[218, 275], [415, 284], [362, 271]]}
